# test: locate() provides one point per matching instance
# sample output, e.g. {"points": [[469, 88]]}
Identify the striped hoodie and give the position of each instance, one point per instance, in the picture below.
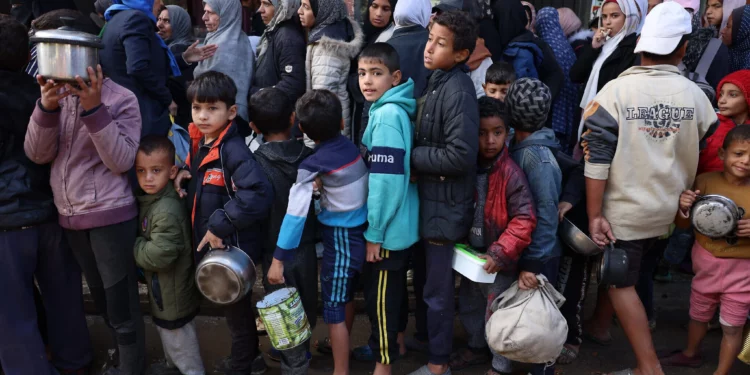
{"points": [[343, 200]]}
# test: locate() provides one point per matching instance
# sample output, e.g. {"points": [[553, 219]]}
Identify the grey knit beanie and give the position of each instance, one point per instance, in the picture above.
{"points": [[528, 103]]}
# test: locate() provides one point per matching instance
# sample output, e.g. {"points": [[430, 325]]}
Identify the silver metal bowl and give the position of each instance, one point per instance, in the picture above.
{"points": [[225, 276], [63, 54], [576, 239], [715, 216]]}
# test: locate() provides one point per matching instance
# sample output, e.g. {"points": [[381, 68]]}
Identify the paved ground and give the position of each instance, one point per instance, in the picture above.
{"points": [[672, 315]]}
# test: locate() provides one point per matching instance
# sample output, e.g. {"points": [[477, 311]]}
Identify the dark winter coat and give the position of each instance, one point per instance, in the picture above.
{"points": [[280, 161], [228, 193], [409, 42], [445, 154], [25, 193], [283, 64], [619, 61], [163, 249], [134, 58]]}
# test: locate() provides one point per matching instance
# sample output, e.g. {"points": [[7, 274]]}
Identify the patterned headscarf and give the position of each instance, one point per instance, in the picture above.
{"points": [[569, 21], [699, 39], [528, 102], [327, 12], [739, 51], [565, 106]]}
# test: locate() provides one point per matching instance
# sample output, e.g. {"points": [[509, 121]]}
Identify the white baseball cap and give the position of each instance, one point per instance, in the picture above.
{"points": [[665, 26]]}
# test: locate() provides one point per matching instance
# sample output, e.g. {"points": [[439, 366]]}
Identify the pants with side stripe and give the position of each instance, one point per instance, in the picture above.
{"points": [[343, 257], [387, 302]]}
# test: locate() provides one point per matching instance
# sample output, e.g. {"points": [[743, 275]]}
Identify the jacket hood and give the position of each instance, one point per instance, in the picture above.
{"points": [[542, 137], [344, 38], [402, 96], [285, 156]]}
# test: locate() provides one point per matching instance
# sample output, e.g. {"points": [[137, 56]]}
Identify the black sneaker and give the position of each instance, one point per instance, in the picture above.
{"points": [[225, 366], [259, 365]]}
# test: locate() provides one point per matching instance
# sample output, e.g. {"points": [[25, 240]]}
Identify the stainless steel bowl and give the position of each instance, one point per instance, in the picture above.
{"points": [[64, 53], [715, 216], [225, 276], [576, 239]]}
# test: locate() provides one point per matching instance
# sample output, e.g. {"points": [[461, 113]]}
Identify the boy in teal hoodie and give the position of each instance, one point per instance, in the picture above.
{"points": [[392, 204]]}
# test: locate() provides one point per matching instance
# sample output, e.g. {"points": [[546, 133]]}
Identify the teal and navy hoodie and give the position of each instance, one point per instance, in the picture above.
{"points": [[392, 203], [343, 198]]}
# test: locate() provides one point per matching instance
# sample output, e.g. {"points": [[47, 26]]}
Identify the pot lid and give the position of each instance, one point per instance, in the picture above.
{"points": [[65, 35]]}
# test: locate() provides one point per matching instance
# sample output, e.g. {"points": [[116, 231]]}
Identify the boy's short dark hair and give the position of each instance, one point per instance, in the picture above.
{"points": [[270, 110], [14, 44], [212, 87], [500, 73], [319, 114], [464, 29], [151, 143], [491, 107], [740, 133], [382, 53], [656, 57]]}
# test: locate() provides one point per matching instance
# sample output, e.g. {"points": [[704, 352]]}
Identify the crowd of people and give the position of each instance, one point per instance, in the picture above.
{"points": [[387, 144]]}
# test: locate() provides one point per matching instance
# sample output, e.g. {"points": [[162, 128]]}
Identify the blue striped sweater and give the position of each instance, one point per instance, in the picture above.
{"points": [[343, 201]]}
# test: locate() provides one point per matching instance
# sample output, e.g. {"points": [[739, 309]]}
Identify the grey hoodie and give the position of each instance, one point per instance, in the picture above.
{"points": [[536, 157]]}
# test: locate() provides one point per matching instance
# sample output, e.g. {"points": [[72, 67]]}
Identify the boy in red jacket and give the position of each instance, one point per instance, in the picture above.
{"points": [[503, 221]]}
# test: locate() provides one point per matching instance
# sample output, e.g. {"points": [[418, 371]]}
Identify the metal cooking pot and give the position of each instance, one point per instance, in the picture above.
{"points": [[65, 53], [225, 276], [715, 216], [576, 239], [612, 266]]}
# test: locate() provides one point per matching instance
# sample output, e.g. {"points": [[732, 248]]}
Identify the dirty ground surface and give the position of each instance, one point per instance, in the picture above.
{"points": [[671, 301]]}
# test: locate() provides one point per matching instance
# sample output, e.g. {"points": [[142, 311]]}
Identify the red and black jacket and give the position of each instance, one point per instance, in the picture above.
{"points": [[228, 193]]}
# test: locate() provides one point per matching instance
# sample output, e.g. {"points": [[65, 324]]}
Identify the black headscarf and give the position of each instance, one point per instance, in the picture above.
{"points": [[372, 32], [510, 20]]}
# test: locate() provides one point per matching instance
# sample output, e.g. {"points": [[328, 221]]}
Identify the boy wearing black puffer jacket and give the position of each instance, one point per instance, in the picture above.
{"points": [[444, 165]]}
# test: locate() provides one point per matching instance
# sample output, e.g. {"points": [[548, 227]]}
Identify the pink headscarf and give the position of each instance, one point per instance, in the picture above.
{"points": [[569, 21], [533, 14], [728, 6]]}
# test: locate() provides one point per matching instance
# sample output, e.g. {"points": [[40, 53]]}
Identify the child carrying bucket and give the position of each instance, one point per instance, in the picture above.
{"points": [[280, 157]]}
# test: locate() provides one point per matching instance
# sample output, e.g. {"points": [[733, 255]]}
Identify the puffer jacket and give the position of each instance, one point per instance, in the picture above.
{"points": [[25, 194], [445, 155], [91, 154], [283, 64], [228, 193], [163, 249], [329, 59], [509, 217]]}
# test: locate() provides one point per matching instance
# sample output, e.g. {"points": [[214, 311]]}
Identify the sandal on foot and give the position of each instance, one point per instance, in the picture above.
{"points": [[596, 340], [567, 356], [466, 358], [324, 346], [679, 359]]}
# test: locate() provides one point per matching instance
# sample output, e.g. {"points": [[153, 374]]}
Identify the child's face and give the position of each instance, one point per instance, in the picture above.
{"points": [[496, 91], [306, 15], [439, 53], [212, 118], [380, 13], [375, 79], [714, 12], [731, 101], [492, 133], [154, 171], [737, 159], [726, 33]]}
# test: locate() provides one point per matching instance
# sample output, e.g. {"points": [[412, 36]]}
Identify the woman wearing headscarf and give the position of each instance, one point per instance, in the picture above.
{"points": [[135, 57], [569, 21], [736, 36], [281, 51], [565, 105], [378, 28], [530, 15], [718, 12], [234, 56], [610, 52], [530, 56], [333, 40]]}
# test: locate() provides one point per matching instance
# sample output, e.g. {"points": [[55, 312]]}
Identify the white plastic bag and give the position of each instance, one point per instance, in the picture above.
{"points": [[526, 325]]}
